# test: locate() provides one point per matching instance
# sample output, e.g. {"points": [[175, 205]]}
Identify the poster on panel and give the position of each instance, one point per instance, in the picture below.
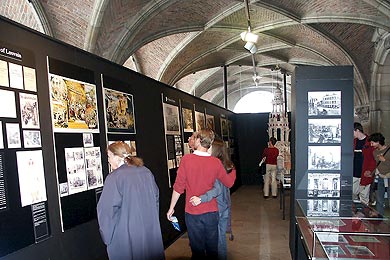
{"points": [[200, 120], [171, 119], [31, 177], [188, 120], [29, 110], [4, 74], [324, 130], [75, 169], [73, 105], [15, 76], [13, 135], [93, 167], [32, 138], [324, 158], [119, 111], [210, 122], [7, 104], [30, 81]]}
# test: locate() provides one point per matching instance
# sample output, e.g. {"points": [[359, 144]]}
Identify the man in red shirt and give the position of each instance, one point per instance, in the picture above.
{"points": [[196, 175], [271, 154]]}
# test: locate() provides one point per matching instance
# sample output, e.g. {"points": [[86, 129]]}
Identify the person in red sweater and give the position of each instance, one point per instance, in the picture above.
{"points": [[271, 154], [364, 164], [196, 175]]}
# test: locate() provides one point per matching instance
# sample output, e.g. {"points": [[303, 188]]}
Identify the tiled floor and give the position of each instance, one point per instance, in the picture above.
{"points": [[258, 228]]}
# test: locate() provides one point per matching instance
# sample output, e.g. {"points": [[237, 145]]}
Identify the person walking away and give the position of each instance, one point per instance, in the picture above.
{"points": [[128, 208], [196, 175], [222, 194], [382, 157], [270, 154]]}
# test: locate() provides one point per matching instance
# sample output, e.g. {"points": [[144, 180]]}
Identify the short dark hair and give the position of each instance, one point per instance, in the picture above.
{"points": [[377, 138], [273, 140], [358, 126]]}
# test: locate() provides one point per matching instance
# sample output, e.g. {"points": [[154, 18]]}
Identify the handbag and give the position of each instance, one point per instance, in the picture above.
{"points": [[382, 175]]}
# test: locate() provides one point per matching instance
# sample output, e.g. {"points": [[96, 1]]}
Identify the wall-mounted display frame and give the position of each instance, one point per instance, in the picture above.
{"points": [[119, 111], [188, 120], [324, 130], [323, 103], [73, 105], [200, 120], [171, 119]]}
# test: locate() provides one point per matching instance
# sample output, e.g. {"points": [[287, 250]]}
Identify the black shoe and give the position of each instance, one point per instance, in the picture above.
{"points": [[275, 197], [267, 197]]}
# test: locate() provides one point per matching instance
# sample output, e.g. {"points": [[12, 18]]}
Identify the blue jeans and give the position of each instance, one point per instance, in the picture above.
{"points": [[222, 227], [380, 196], [203, 235]]}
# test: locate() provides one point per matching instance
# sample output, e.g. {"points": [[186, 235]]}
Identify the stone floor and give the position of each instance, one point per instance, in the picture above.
{"points": [[258, 228]]}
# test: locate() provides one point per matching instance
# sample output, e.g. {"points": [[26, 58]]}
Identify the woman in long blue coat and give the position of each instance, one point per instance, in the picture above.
{"points": [[128, 208]]}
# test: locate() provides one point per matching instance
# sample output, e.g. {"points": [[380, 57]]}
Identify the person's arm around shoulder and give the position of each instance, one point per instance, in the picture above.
{"points": [[209, 195], [226, 179]]}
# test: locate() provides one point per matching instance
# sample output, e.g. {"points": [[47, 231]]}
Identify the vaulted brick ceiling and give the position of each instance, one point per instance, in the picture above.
{"points": [[186, 43]]}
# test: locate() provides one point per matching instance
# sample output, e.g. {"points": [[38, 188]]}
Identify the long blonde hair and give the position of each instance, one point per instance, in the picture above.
{"points": [[123, 150]]}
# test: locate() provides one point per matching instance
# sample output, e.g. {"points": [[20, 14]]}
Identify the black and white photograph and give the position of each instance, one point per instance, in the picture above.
{"points": [[31, 175], [7, 104], [200, 120], [324, 103], [4, 74], [32, 138], [171, 119], [64, 189], [29, 110], [359, 250], [93, 166], [210, 122], [178, 149], [188, 120], [324, 131], [75, 169], [323, 185], [15, 76], [119, 111], [317, 208], [334, 251], [88, 139], [327, 224], [13, 135], [324, 157]]}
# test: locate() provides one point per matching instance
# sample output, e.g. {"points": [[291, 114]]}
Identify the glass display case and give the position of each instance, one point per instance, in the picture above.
{"points": [[338, 229]]}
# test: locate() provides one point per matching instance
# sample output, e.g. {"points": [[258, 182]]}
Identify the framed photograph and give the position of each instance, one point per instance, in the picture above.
{"points": [[119, 111], [188, 120], [325, 130], [32, 138], [323, 185], [15, 76], [31, 175], [324, 158], [87, 139], [4, 74], [64, 189], [210, 122], [75, 169], [171, 119], [133, 147], [73, 105], [29, 110], [30, 80], [13, 135], [200, 120], [324, 103], [7, 104]]}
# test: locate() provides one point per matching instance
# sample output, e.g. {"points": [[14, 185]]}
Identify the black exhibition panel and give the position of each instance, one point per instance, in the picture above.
{"points": [[321, 96], [17, 221], [72, 231]]}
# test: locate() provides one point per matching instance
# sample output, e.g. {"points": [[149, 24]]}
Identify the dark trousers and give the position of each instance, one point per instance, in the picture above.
{"points": [[203, 235]]}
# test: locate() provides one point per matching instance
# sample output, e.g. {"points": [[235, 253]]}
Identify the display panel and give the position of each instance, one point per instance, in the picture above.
{"points": [[323, 103], [325, 130], [324, 158]]}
